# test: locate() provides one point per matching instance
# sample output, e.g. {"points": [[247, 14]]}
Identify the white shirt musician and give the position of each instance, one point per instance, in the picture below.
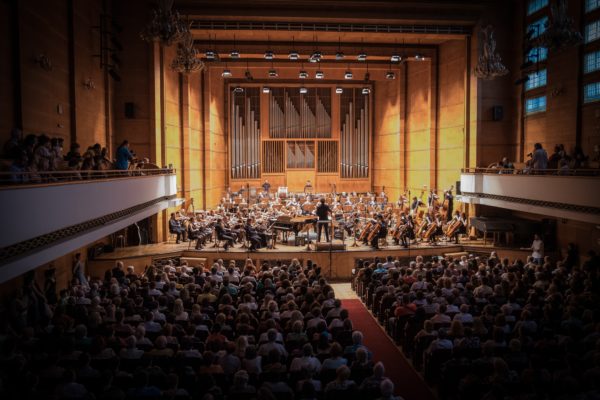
{"points": [[432, 198]]}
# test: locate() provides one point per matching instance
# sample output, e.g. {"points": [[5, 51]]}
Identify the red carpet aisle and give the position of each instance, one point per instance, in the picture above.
{"points": [[408, 383]]}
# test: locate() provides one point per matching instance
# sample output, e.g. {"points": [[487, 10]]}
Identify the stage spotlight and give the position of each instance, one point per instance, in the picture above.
{"points": [[210, 55], [273, 73], [395, 58], [362, 57], [348, 75], [266, 89], [303, 90], [294, 56], [238, 90], [366, 91], [390, 75], [226, 73], [315, 56], [269, 55], [339, 90], [303, 74], [319, 75], [339, 56]]}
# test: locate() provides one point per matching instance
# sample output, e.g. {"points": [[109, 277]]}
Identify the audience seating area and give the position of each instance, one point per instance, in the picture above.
{"points": [[490, 328], [177, 332]]}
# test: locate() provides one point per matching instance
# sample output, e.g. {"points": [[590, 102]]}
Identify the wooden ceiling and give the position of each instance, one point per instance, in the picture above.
{"points": [[380, 28]]}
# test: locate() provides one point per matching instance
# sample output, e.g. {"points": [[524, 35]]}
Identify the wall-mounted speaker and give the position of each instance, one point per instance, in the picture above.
{"points": [[497, 113], [129, 110]]}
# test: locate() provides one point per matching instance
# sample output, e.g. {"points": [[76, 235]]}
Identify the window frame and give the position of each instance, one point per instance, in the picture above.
{"points": [[537, 110]]}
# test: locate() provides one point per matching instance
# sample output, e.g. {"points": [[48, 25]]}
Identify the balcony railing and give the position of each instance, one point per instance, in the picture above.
{"points": [[20, 179], [545, 192], [536, 172]]}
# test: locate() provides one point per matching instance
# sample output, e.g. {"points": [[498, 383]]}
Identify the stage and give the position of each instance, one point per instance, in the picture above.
{"points": [[335, 264]]}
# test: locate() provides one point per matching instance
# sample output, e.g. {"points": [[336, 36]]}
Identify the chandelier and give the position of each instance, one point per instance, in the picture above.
{"points": [[489, 65], [166, 26], [560, 30], [187, 60]]}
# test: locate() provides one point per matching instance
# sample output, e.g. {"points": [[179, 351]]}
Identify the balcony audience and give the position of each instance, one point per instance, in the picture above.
{"points": [[34, 158]]}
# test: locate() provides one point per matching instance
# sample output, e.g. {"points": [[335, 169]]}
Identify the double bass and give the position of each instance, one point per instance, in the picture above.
{"points": [[374, 232], [365, 233], [445, 205]]}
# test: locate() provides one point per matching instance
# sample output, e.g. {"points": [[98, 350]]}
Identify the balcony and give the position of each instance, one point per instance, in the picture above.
{"points": [[47, 220], [574, 197]]}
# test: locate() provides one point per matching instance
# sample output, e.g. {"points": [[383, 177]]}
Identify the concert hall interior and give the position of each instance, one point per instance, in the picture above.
{"points": [[382, 199]]}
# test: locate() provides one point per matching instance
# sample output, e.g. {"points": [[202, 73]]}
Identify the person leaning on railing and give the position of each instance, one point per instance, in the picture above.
{"points": [[124, 156]]}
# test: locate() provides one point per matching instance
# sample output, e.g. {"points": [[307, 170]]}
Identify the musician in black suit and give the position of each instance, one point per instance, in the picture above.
{"points": [[176, 228], [450, 199], [222, 234], [409, 231], [266, 186], [252, 235], [323, 211], [382, 233]]}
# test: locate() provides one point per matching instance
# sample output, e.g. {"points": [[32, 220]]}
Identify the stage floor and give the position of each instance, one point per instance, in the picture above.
{"points": [[337, 264]]}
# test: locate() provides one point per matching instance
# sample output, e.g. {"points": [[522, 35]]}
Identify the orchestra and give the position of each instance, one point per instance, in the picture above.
{"points": [[260, 220]]}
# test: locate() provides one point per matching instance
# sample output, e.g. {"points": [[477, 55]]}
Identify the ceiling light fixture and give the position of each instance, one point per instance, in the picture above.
{"points": [[294, 56], [339, 90], [419, 57], [210, 54], [348, 75], [234, 53], [319, 74], [266, 89], [167, 26], [316, 55], [273, 72], [269, 55], [362, 56], [366, 91], [390, 75], [238, 90], [303, 90], [226, 72], [302, 74], [339, 55], [396, 58]]}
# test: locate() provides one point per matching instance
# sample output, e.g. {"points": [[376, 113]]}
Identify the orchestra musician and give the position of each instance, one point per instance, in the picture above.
{"points": [[459, 218], [382, 233], [176, 228], [437, 221], [222, 234], [252, 235], [323, 211], [308, 186], [266, 186], [409, 231], [449, 199], [431, 199], [414, 205]]}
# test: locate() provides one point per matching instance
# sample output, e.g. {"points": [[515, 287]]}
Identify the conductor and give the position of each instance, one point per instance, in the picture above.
{"points": [[323, 212]]}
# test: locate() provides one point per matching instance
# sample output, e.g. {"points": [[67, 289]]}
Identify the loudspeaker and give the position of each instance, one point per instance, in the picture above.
{"points": [[457, 186], [334, 246], [497, 113], [129, 110]]}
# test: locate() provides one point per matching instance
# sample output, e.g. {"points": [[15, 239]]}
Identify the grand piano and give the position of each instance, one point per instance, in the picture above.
{"points": [[286, 224]]}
